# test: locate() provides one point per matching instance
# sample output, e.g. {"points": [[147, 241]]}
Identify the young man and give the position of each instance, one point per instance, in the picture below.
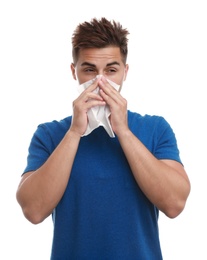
{"points": [[104, 189]]}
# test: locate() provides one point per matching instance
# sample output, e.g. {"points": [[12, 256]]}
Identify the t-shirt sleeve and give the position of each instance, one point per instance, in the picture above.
{"points": [[39, 150], [166, 144]]}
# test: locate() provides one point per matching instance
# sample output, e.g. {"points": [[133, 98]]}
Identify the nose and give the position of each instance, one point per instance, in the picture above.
{"points": [[99, 76], [100, 73]]}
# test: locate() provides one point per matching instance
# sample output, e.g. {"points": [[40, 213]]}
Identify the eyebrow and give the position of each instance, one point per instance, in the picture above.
{"points": [[93, 65]]}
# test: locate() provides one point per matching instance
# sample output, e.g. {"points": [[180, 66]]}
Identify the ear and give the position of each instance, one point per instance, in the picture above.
{"points": [[126, 71], [72, 67]]}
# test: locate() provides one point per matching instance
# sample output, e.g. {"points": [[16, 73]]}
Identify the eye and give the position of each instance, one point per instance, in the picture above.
{"points": [[89, 69], [111, 70]]}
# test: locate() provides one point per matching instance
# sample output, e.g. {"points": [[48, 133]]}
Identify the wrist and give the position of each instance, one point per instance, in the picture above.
{"points": [[74, 134]]}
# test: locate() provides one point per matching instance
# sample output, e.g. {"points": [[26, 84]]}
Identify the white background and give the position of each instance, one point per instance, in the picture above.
{"points": [[167, 76]]}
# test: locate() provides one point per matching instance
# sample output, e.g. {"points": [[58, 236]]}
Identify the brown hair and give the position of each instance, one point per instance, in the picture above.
{"points": [[99, 34]]}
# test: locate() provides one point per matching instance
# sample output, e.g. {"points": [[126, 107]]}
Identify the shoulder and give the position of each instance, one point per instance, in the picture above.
{"points": [[150, 128], [136, 119], [52, 131], [156, 134], [56, 125]]}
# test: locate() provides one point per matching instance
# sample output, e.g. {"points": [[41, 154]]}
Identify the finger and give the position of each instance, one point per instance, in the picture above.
{"points": [[89, 99], [92, 103], [87, 96], [109, 92], [93, 86]]}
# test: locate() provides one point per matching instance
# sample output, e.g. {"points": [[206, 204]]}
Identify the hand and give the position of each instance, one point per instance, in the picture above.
{"points": [[117, 105], [82, 104]]}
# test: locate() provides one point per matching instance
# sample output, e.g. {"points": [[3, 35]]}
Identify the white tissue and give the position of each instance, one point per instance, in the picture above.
{"points": [[98, 115]]}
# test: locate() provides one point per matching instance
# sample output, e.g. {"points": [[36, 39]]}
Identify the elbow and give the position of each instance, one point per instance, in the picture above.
{"points": [[174, 210], [32, 216], [32, 213], [177, 205]]}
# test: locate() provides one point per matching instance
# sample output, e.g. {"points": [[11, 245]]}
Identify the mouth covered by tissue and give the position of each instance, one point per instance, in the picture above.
{"points": [[98, 115]]}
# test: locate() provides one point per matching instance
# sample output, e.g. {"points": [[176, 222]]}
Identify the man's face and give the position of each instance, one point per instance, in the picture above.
{"points": [[100, 61]]}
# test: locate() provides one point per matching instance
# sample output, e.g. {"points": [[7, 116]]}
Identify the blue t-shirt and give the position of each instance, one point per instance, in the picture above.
{"points": [[103, 214]]}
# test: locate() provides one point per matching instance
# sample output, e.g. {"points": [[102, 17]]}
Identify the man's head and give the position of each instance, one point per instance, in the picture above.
{"points": [[100, 47], [99, 34]]}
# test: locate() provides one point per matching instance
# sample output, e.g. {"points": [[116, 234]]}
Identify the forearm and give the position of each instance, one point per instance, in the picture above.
{"points": [[165, 186], [39, 192]]}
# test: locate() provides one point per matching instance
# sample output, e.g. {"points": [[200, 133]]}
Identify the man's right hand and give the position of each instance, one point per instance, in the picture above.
{"points": [[86, 100]]}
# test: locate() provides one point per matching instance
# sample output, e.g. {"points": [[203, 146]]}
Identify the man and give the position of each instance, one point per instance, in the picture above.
{"points": [[104, 192]]}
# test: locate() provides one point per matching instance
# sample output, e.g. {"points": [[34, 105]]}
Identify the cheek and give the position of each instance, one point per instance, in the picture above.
{"points": [[118, 79]]}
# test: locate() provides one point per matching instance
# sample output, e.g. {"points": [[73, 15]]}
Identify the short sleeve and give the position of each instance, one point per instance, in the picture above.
{"points": [[166, 144], [39, 150]]}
